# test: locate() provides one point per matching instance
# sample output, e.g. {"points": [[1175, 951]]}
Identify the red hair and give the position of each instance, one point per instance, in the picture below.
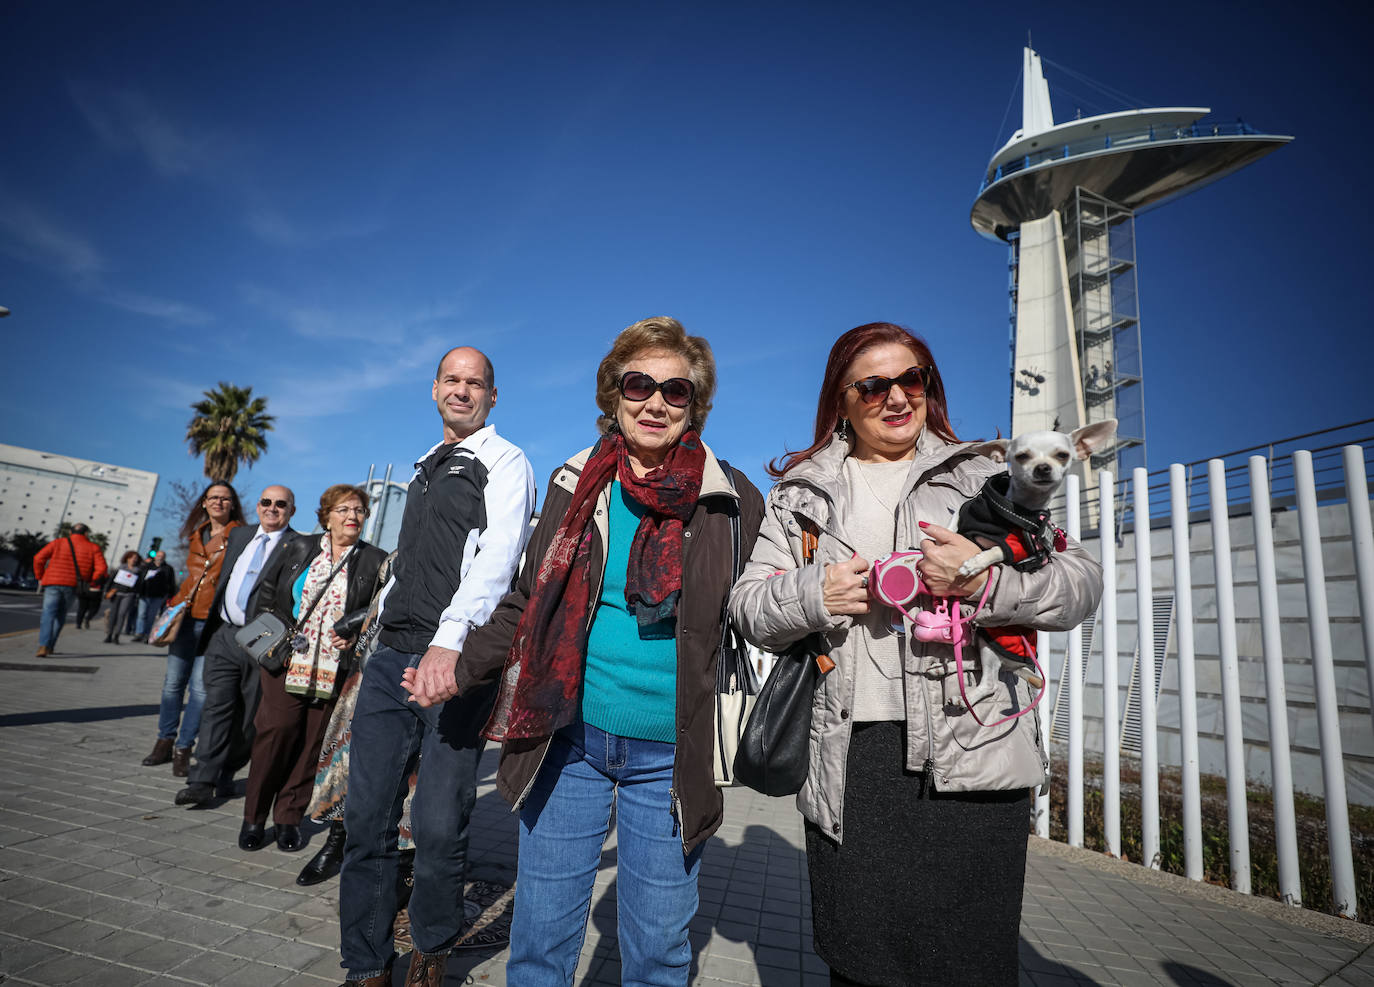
{"points": [[842, 356]]}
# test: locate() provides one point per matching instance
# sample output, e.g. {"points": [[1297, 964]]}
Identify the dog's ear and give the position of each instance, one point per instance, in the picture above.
{"points": [[1087, 439], [996, 450]]}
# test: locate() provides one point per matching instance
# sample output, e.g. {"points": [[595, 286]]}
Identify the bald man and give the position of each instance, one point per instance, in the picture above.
{"points": [[466, 520]]}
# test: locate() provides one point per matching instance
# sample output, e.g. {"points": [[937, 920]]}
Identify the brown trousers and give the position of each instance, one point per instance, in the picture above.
{"points": [[286, 752]]}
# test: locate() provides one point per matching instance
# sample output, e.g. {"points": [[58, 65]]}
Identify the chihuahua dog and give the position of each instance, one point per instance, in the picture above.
{"points": [[1010, 520]]}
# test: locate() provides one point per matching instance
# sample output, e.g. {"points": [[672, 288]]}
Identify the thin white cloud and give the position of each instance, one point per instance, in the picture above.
{"points": [[126, 121], [270, 226], [166, 309], [29, 235], [312, 320]]}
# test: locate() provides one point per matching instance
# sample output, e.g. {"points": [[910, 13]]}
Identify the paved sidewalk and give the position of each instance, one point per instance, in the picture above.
{"points": [[104, 881]]}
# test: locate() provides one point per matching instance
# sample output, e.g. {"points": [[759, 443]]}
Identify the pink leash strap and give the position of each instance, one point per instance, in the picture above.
{"points": [[958, 635]]}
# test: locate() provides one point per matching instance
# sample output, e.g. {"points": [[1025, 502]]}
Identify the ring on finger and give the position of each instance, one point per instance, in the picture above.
{"points": [[863, 582]]}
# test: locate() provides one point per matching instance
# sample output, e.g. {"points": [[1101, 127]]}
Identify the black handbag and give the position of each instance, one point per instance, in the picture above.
{"points": [[84, 589], [774, 750], [270, 639]]}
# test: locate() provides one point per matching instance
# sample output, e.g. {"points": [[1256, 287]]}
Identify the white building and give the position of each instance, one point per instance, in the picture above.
{"points": [[40, 490]]}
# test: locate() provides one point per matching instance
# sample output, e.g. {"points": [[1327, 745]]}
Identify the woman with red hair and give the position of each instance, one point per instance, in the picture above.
{"points": [[916, 815]]}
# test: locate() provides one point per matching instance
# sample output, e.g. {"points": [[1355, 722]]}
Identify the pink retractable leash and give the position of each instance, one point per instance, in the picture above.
{"points": [[895, 580]]}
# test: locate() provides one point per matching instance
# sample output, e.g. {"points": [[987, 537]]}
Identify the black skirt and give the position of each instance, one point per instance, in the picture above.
{"points": [[926, 888]]}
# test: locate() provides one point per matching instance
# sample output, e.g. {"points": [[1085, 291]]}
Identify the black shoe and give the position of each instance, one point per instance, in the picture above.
{"points": [[195, 795], [289, 837], [252, 836], [326, 863]]}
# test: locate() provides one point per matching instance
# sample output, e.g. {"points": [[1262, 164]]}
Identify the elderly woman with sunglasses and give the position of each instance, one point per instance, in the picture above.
{"points": [[916, 815], [606, 654], [323, 584]]}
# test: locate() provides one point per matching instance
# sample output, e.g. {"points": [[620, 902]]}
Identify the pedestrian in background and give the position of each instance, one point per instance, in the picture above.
{"points": [[205, 534], [122, 594], [60, 565], [153, 590]]}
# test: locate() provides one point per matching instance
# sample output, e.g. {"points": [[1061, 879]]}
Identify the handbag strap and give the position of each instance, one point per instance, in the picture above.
{"points": [[736, 570], [191, 597], [76, 566], [324, 588]]}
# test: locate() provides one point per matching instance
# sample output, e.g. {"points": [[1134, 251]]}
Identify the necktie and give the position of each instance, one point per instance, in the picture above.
{"points": [[251, 576]]}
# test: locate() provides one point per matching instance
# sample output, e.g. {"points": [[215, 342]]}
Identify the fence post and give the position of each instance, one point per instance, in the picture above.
{"points": [[1276, 692], [1324, 687], [1145, 668], [1187, 674], [1237, 809], [1111, 689], [1042, 795], [1362, 540], [1073, 667]]}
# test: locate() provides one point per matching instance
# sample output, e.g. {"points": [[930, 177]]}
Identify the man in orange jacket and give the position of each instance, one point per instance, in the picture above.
{"points": [[58, 565]]}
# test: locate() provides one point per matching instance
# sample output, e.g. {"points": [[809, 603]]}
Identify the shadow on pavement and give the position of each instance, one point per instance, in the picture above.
{"points": [[89, 714]]}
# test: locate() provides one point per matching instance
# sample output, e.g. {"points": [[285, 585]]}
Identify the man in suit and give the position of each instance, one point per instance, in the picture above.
{"points": [[231, 676]]}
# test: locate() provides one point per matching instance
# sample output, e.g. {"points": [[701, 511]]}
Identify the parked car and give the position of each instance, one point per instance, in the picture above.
{"points": [[26, 583], [6, 579]]}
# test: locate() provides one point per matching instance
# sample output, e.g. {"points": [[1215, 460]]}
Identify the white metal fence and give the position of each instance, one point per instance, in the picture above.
{"points": [[1184, 562]]}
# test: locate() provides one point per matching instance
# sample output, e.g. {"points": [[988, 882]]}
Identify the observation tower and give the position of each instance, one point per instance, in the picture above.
{"points": [[1064, 197]]}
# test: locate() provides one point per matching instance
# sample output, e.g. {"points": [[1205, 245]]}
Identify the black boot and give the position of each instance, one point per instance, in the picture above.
{"points": [[326, 863]]}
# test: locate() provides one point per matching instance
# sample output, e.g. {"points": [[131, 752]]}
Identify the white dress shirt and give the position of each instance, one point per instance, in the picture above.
{"points": [[230, 610]]}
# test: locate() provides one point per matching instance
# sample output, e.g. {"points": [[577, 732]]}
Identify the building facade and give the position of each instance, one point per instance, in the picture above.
{"points": [[41, 490]]}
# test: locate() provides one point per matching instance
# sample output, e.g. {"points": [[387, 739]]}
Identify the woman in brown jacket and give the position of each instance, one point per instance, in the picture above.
{"points": [[205, 534], [608, 643]]}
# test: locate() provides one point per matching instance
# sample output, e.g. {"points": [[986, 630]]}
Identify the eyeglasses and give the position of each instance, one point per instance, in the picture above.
{"points": [[346, 511], [637, 386], [219, 500], [280, 505], [913, 380]]}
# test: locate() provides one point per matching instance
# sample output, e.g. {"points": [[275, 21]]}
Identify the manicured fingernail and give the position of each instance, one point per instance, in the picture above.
{"points": [[924, 524]]}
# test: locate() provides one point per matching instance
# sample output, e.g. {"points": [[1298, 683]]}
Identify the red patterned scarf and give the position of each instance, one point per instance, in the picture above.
{"points": [[541, 686]]}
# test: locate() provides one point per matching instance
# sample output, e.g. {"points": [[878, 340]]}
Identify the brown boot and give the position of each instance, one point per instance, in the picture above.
{"points": [[162, 753], [43, 652], [426, 969], [181, 761]]}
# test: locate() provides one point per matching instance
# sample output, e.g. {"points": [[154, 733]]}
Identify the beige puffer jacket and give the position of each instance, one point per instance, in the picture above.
{"points": [[778, 601]]}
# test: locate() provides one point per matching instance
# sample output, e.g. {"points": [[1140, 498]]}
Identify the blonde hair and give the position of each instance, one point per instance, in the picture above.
{"points": [[658, 334]]}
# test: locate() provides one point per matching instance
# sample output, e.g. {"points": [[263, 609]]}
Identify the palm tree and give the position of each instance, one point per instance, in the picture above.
{"points": [[229, 428]]}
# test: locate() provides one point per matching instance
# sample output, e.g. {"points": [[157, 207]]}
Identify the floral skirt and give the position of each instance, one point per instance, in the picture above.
{"points": [[331, 779]]}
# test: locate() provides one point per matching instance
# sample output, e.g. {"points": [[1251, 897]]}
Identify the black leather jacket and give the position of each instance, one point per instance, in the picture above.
{"points": [[287, 565]]}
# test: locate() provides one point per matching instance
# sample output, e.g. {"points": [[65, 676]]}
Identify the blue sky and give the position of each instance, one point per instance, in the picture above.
{"points": [[317, 199]]}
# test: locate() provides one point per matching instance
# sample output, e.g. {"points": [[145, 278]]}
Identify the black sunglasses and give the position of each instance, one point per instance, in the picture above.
{"points": [[913, 380], [637, 386], [281, 505]]}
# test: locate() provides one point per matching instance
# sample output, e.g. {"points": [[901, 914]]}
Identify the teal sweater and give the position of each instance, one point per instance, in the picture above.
{"points": [[630, 685]]}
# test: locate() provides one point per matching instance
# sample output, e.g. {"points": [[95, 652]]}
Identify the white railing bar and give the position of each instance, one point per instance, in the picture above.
{"points": [[1362, 541], [1042, 794], [1237, 809], [1111, 689], [1145, 665], [1187, 675], [1073, 670], [1324, 687], [1276, 693]]}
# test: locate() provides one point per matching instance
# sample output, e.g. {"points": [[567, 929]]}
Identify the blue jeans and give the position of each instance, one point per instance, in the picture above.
{"points": [[56, 601], [387, 735], [148, 609], [563, 826], [183, 669]]}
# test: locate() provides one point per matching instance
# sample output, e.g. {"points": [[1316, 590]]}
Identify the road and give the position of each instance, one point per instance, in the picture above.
{"points": [[19, 611]]}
